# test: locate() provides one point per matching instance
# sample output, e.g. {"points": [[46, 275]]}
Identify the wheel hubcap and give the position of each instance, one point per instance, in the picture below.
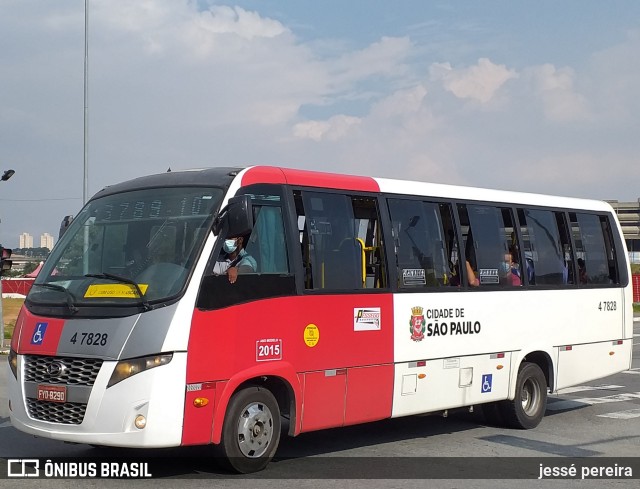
{"points": [[530, 397], [255, 430]]}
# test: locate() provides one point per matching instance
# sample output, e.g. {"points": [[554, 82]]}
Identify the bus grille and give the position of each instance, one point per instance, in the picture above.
{"points": [[61, 370], [64, 413], [68, 371]]}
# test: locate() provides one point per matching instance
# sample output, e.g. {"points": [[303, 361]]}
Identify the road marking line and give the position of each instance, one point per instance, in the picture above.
{"points": [[582, 388], [590, 401], [631, 413], [6, 424], [632, 371]]}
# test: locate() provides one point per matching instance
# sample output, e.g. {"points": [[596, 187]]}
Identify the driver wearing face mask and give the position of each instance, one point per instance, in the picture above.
{"points": [[235, 260]]}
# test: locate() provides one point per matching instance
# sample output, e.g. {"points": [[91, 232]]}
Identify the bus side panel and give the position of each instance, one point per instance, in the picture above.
{"points": [[324, 396], [314, 333], [359, 395], [368, 394], [583, 363], [440, 384], [311, 332], [198, 419]]}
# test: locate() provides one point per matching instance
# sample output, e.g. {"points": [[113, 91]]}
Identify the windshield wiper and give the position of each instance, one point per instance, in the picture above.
{"points": [[124, 280], [70, 297]]}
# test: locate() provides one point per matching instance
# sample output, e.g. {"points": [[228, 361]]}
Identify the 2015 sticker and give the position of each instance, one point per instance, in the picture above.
{"points": [[268, 349]]}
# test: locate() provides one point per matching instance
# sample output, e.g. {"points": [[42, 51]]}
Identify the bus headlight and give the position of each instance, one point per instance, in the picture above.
{"points": [[126, 368], [13, 362]]}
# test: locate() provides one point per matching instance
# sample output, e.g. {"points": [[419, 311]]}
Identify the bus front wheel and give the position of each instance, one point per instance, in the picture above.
{"points": [[251, 430], [530, 403]]}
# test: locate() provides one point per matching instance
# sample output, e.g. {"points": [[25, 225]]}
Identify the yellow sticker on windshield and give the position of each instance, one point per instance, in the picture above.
{"points": [[123, 291]]}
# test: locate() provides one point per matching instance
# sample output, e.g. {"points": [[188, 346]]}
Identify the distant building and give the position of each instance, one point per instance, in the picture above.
{"points": [[26, 240], [46, 241], [629, 216]]}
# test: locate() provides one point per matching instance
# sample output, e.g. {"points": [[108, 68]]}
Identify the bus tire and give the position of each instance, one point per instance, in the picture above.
{"points": [[251, 430], [530, 403]]}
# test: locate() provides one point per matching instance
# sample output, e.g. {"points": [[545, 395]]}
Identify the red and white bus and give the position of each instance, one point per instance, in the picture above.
{"points": [[363, 299]]}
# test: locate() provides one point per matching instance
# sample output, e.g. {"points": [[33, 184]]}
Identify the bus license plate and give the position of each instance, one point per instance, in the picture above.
{"points": [[52, 393]]}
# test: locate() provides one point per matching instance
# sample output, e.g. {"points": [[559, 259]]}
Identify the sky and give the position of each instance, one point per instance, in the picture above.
{"points": [[528, 96]]}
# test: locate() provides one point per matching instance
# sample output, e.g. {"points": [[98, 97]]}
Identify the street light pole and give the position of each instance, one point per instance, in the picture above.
{"points": [[85, 186], [5, 176]]}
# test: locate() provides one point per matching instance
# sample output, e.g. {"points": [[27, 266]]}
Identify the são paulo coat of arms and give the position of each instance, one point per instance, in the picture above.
{"points": [[417, 323]]}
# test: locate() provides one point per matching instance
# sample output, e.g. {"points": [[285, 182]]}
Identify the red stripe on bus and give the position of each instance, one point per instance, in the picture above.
{"points": [[306, 178], [39, 335]]}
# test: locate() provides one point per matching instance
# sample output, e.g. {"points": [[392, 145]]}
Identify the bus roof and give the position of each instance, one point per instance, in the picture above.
{"points": [[223, 177], [218, 177], [268, 174]]}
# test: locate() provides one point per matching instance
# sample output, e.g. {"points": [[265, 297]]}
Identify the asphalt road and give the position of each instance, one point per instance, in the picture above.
{"points": [[596, 423]]}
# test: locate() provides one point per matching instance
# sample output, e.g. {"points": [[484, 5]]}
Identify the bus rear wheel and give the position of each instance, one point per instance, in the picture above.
{"points": [[251, 430], [530, 403]]}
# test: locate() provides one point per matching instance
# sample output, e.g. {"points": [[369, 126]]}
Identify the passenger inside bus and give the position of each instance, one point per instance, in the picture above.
{"points": [[234, 260], [582, 271], [511, 271], [471, 276], [470, 253]]}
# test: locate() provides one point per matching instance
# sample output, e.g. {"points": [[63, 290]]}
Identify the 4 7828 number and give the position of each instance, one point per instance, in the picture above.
{"points": [[92, 339], [607, 306]]}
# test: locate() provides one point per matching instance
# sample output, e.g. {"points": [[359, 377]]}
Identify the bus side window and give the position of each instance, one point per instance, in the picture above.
{"points": [[341, 241], [267, 244], [610, 248], [424, 241], [490, 244], [546, 262], [368, 236], [265, 273], [594, 254]]}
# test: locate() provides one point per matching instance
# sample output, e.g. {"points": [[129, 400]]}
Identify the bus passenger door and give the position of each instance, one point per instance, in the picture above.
{"points": [[342, 261]]}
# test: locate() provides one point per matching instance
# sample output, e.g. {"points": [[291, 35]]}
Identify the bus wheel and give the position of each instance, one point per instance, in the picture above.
{"points": [[530, 403], [251, 430]]}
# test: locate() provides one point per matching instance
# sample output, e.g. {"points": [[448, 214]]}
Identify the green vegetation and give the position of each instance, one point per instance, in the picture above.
{"points": [[636, 307], [10, 310], [635, 268]]}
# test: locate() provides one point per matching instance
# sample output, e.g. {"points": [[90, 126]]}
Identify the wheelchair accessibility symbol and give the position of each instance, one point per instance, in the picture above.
{"points": [[486, 383], [38, 333]]}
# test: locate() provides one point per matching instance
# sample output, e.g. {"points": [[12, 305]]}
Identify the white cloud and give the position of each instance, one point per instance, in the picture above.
{"points": [[480, 82], [616, 76], [226, 29], [169, 26], [332, 129], [555, 87], [386, 57], [401, 102], [590, 173]]}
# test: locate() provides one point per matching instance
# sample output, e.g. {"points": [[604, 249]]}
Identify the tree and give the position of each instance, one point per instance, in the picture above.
{"points": [[29, 267]]}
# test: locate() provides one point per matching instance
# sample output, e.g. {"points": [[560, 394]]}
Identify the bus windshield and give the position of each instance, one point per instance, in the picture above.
{"points": [[128, 250]]}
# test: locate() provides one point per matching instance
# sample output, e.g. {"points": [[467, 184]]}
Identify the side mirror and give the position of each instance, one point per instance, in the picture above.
{"points": [[236, 217], [66, 222]]}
